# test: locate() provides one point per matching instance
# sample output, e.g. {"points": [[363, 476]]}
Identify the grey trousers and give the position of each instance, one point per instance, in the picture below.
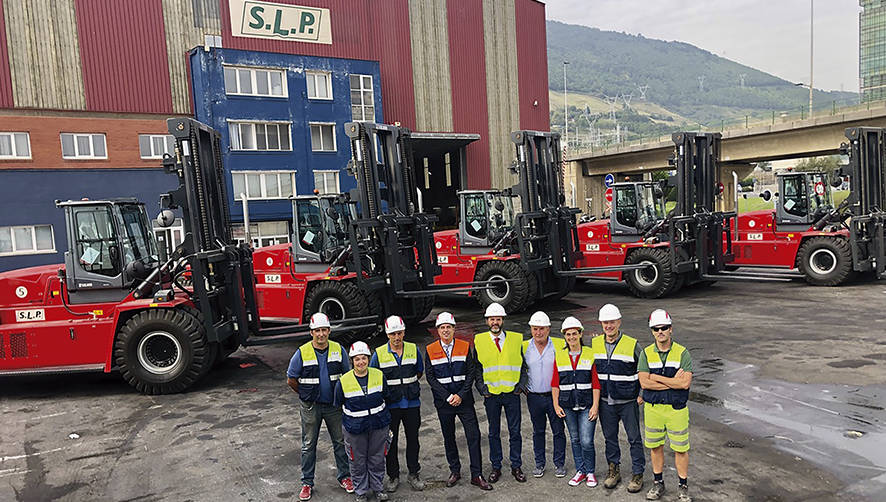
{"points": [[366, 453]]}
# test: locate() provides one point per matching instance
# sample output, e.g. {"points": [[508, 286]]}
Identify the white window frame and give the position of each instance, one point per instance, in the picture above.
{"points": [[33, 250], [151, 138], [363, 105], [238, 144], [15, 153], [253, 77], [264, 187], [257, 236], [312, 74], [79, 155], [321, 125], [325, 188]]}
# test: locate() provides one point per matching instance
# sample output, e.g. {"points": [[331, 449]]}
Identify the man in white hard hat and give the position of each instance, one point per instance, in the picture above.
{"points": [[665, 370], [538, 358], [362, 393], [451, 366], [615, 357], [500, 354], [313, 372], [402, 366]]}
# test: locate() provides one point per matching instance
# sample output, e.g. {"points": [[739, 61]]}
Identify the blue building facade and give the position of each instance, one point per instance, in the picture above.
{"points": [[281, 117]]}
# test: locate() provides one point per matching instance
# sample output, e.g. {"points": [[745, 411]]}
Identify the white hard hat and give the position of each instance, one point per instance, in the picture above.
{"points": [[445, 318], [569, 323], [319, 320], [609, 312], [394, 324], [659, 317], [540, 319], [495, 310], [359, 348]]}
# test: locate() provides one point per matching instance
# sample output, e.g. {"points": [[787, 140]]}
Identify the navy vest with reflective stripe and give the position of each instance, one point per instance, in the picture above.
{"points": [[309, 381], [402, 378], [363, 411], [575, 385], [618, 373], [675, 397], [450, 372]]}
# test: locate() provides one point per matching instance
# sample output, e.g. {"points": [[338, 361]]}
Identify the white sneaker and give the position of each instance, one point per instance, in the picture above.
{"points": [[577, 479], [591, 480]]}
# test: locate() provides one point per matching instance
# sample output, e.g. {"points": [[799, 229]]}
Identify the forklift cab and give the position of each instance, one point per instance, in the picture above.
{"points": [[803, 198], [320, 226], [636, 207], [485, 216], [110, 245]]}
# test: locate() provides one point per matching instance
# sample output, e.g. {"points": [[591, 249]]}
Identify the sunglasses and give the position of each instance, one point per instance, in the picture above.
{"points": [[656, 329]]}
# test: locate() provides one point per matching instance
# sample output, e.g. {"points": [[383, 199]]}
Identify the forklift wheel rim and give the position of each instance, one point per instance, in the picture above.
{"points": [[335, 301], [815, 264], [640, 275], [493, 292], [149, 360]]}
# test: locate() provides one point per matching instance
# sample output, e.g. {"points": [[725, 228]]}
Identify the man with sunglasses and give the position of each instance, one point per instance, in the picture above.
{"points": [[665, 370]]}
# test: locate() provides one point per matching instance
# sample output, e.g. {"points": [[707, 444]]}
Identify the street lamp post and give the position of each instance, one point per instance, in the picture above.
{"points": [[565, 109], [811, 45]]}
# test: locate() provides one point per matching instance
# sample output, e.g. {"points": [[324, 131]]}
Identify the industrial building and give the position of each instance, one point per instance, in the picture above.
{"points": [[872, 50], [86, 86]]}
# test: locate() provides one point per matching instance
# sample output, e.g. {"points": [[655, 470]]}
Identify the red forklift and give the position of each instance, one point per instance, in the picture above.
{"points": [[691, 244], [117, 303], [826, 244]]}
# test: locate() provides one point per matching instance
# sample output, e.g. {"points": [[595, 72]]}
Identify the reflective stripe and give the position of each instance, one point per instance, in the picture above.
{"points": [[678, 433], [309, 381], [655, 366], [599, 356], [584, 365], [445, 380], [650, 429], [584, 386], [619, 357], [602, 376], [564, 368], [309, 362], [490, 369], [458, 378], [334, 377], [403, 381], [566, 387], [503, 383], [461, 359], [672, 364], [408, 360], [680, 443], [435, 362], [387, 364], [363, 413], [411, 379], [334, 357], [394, 381], [623, 378]]}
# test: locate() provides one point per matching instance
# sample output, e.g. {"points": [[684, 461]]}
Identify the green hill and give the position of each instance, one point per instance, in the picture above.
{"points": [[605, 64]]}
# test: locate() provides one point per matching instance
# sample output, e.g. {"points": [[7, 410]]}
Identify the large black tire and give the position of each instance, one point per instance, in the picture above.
{"points": [[652, 282], [514, 296], [825, 261], [162, 351], [417, 309], [339, 300]]}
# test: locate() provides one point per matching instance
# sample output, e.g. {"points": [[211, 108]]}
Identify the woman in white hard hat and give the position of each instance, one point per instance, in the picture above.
{"points": [[361, 393], [576, 393]]}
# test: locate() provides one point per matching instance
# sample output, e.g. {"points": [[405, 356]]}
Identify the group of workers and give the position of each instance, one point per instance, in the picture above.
{"points": [[570, 383]]}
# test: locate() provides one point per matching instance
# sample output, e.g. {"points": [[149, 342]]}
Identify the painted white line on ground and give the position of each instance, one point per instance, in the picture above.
{"points": [[16, 457]]}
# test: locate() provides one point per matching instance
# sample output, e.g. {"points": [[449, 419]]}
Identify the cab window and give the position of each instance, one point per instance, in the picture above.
{"points": [[794, 196], [475, 215], [626, 206], [310, 225], [96, 243]]}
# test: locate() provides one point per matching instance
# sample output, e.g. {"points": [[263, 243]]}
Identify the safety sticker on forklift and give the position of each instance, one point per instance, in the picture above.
{"points": [[476, 225], [30, 315], [21, 291], [272, 278], [755, 237], [443, 259], [592, 247], [309, 237]]}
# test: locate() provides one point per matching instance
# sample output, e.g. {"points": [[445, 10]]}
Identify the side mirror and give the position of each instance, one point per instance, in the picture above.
{"points": [[332, 213], [659, 193], [837, 182], [166, 218], [766, 195], [499, 206]]}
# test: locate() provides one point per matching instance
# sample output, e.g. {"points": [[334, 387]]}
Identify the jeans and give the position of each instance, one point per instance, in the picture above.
{"points": [[367, 455], [411, 418], [629, 415], [541, 411], [581, 435], [511, 404], [468, 416], [312, 414]]}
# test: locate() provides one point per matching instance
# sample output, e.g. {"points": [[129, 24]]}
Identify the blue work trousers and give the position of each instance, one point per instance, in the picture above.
{"points": [[510, 402], [541, 411], [629, 415], [581, 436], [312, 414]]}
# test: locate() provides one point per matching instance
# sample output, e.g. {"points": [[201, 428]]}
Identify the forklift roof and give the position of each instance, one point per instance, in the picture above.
{"points": [[92, 202]]}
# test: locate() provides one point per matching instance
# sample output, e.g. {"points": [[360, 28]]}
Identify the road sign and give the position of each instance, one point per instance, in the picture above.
{"points": [[609, 180], [819, 188], [608, 195]]}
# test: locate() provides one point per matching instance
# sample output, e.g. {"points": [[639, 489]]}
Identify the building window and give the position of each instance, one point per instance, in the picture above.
{"points": [[15, 145], [319, 84], [83, 146], [170, 237], [153, 146], [323, 137], [259, 136], [255, 82], [263, 233], [264, 184], [362, 101], [29, 239], [326, 181]]}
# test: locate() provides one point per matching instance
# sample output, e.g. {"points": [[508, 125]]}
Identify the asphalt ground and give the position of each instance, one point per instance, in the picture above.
{"points": [[787, 404]]}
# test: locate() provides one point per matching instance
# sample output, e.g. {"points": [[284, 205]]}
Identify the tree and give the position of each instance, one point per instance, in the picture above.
{"points": [[765, 166], [826, 164]]}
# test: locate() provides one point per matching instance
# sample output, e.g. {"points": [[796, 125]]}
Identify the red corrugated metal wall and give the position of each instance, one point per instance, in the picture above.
{"points": [[467, 69], [532, 65], [123, 54], [5, 78], [392, 47]]}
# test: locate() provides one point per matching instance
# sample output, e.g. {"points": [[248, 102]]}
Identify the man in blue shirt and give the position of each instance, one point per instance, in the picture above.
{"points": [[313, 371], [403, 366]]}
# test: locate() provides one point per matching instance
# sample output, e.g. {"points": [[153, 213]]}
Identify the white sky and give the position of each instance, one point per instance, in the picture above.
{"points": [[770, 35]]}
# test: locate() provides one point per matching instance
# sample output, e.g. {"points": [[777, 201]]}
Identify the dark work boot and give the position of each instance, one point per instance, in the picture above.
{"points": [[613, 478]]}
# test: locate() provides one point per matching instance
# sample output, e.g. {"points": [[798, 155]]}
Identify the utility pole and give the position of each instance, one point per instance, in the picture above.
{"points": [[565, 110], [701, 83], [741, 77], [811, 23]]}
